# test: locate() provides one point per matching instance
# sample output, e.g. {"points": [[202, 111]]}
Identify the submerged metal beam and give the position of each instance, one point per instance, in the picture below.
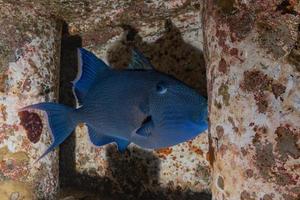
{"points": [[252, 54], [29, 60]]}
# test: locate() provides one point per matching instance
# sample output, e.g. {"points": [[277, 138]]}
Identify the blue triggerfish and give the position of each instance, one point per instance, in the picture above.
{"points": [[139, 105]]}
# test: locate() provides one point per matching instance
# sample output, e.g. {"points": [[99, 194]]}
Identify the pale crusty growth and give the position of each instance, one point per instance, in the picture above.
{"points": [[252, 50], [29, 55]]}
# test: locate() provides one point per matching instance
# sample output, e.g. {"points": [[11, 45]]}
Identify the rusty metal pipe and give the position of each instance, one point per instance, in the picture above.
{"points": [[252, 54], [29, 63]]}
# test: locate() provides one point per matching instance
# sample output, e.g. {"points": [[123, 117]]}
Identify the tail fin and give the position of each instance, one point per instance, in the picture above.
{"points": [[59, 121]]}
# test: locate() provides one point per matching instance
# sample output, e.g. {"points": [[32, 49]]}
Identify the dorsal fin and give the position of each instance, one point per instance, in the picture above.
{"points": [[89, 68], [139, 61]]}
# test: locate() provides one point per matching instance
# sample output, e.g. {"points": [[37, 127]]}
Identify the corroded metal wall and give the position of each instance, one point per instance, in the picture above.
{"points": [[252, 54], [29, 54], [252, 49], [168, 32]]}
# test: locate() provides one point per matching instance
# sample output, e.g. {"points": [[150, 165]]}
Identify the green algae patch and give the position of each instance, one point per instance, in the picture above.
{"points": [[19, 156], [15, 190]]}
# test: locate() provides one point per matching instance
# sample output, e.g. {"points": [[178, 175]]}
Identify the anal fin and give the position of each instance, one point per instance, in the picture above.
{"points": [[100, 139], [122, 144]]}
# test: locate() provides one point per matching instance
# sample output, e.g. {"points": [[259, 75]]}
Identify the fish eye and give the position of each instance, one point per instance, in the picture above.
{"points": [[161, 87]]}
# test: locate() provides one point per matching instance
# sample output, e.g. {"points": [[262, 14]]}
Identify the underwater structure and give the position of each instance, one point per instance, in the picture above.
{"points": [[242, 55], [29, 66], [252, 54]]}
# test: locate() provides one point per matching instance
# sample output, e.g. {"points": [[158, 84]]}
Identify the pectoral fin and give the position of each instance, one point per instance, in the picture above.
{"points": [[146, 128]]}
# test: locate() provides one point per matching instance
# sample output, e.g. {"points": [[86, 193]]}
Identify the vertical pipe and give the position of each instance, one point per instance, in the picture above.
{"points": [[29, 55], [252, 56]]}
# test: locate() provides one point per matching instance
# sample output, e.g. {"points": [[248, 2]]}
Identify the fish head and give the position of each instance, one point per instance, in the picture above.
{"points": [[178, 113]]}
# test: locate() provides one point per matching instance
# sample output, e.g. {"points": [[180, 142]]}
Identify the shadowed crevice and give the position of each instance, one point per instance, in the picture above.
{"points": [[68, 72], [169, 54]]}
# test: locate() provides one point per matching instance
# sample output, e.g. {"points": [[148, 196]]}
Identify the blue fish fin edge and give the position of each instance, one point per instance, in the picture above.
{"points": [[60, 126], [89, 69], [139, 61], [100, 139], [122, 144]]}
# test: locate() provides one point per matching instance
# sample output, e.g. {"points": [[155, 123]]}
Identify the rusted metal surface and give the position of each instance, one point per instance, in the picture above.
{"points": [[97, 21], [170, 34], [252, 49], [29, 53]]}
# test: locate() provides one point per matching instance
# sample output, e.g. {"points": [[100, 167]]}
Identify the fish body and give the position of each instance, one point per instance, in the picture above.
{"points": [[138, 105]]}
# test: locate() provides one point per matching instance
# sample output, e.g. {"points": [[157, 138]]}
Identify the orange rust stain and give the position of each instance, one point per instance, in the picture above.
{"points": [[196, 150], [164, 152]]}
